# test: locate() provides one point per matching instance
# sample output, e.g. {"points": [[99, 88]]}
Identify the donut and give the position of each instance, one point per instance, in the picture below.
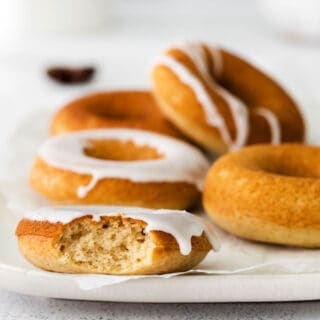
{"points": [[113, 240], [113, 109], [120, 167], [221, 101], [267, 193]]}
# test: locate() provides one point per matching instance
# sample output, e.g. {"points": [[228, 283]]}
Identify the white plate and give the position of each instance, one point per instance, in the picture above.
{"points": [[18, 276], [262, 285]]}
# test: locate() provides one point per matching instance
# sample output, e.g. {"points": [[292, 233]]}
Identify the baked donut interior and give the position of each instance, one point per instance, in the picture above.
{"points": [[106, 242], [120, 151], [114, 244]]}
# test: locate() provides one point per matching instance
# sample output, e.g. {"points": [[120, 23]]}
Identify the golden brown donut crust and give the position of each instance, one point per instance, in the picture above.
{"points": [[113, 109], [179, 102], [58, 247], [60, 186], [267, 193]]}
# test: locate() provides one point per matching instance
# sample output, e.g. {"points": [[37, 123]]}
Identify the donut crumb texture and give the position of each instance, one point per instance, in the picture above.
{"points": [[108, 246]]}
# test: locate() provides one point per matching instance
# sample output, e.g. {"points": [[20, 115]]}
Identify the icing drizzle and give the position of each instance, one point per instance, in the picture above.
{"points": [[238, 109], [180, 224], [180, 162], [273, 123]]}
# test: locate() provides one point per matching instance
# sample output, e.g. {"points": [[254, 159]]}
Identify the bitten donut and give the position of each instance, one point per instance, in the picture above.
{"points": [[113, 240], [267, 193], [221, 101], [119, 166], [113, 109]]}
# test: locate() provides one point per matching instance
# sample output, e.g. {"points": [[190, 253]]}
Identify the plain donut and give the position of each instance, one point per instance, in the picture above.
{"points": [[267, 193], [113, 109]]}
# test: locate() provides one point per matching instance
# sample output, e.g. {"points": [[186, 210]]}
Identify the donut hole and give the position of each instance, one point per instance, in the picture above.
{"points": [[115, 112], [118, 106], [291, 164], [291, 169], [120, 151]]}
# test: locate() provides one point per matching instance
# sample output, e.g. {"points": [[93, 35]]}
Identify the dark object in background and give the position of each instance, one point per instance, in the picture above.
{"points": [[67, 75]]}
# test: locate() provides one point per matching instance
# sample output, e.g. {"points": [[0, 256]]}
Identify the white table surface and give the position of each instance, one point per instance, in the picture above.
{"points": [[122, 54], [13, 306]]}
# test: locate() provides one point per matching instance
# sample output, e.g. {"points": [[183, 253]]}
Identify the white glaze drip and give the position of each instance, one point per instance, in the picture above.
{"points": [[239, 111], [273, 122], [180, 162], [180, 224], [83, 190]]}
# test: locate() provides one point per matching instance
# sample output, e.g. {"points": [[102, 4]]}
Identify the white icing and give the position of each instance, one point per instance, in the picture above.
{"points": [[212, 115], [180, 224], [196, 53], [273, 122], [240, 115], [180, 162], [238, 109], [217, 60]]}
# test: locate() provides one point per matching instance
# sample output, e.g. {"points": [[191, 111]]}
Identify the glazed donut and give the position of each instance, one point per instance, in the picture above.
{"points": [[113, 109], [120, 167], [221, 101], [113, 240], [267, 193]]}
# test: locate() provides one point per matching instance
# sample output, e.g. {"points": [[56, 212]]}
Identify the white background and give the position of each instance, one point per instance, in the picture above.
{"points": [[135, 33]]}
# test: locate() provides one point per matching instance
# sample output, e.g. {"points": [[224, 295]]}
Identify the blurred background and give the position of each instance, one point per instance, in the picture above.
{"points": [[121, 38]]}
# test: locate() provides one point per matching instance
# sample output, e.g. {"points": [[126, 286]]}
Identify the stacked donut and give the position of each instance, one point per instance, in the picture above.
{"points": [[122, 165], [221, 101]]}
